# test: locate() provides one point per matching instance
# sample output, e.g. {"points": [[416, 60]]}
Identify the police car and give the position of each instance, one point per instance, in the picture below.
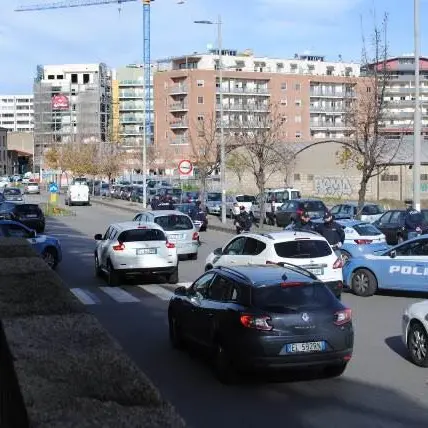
{"points": [[402, 267]]}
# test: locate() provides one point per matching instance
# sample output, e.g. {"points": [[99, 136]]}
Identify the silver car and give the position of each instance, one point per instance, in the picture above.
{"points": [[32, 189], [13, 194], [178, 227], [135, 248]]}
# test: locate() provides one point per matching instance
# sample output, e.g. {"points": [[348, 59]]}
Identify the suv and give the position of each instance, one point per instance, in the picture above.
{"points": [[254, 317], [129, 248], [290, 211], [308, 250], [29, 214]]}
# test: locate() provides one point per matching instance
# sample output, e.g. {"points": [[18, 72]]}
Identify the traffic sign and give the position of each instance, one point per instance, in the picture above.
{"points": [[185, 167], [53, 188]]}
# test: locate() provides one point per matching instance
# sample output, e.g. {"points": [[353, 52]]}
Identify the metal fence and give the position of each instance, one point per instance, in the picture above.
{"points": [[13, 413]]}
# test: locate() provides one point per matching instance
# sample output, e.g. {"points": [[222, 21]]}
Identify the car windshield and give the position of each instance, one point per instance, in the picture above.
{"points": [[283, 299], [245, 198], [314, 206], [367, 229], [303, 249], [175, 192], [13, 192], [139, 235], [174, 222], [212, 197]]}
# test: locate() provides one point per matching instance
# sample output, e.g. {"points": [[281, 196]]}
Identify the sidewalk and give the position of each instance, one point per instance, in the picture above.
{"points": [[214, 222]]}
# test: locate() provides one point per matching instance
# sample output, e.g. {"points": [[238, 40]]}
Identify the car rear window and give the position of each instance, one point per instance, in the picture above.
{"points": [[214, 197], [174, 222], [28, 209], [302, 249], [367, 230], [279, 299], [294, 194], [139, 235], [12, 192], [245, 198], [372, 210], [314, 206]]}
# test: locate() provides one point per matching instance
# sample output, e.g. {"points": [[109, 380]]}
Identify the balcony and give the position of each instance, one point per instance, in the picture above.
{"points": [[244, 107], [328, 109], [131, 94], [178, 89], [132, 83], [331, 93], [404, 115], [178, 107], [177, 124], [399, 90], [131, 107], [327, 125], [180, 141], [132, 119], [245, 91], [245, 125]]}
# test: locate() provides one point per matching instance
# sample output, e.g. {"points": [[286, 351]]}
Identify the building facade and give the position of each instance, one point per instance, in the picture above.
{"points": [[17, 112], [310, 95], [71, 104], [3, 151]]}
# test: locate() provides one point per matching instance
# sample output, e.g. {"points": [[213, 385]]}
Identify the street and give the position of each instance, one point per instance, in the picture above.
{"points": [[379, 389]]}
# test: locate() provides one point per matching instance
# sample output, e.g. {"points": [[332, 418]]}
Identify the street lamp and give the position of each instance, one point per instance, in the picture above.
{"points": [[417, 118], [222, 146]]}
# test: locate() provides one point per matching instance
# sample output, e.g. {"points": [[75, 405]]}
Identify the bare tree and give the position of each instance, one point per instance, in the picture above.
{"points": [[111, 160], [261, 140], [236, 162], [366, 146]]}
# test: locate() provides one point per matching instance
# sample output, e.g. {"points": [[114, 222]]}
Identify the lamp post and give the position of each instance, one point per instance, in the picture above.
{"points": [[417, 118], [222, 145]]}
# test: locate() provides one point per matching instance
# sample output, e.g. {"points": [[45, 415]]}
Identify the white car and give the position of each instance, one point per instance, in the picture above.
{"points": [[32, 189], [77, 194], [135, 248], [305, 249], [415, 332]]}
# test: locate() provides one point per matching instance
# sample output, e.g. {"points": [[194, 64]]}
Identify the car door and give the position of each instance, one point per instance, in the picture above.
{"points": [[253, 250], [233, 253], [384, 225], [281, 215]]}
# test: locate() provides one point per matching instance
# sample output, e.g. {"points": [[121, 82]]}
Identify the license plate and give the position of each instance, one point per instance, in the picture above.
{"points": [[176, 237], [316, 271], [307, 347], [142, 251], [31, 215]]}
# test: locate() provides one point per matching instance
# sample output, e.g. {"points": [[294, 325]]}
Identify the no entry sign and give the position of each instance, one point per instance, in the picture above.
{"points": [[185, 167]]}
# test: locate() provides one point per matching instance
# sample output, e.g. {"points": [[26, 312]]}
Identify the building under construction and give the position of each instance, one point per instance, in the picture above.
{"points": [[71, 105]]}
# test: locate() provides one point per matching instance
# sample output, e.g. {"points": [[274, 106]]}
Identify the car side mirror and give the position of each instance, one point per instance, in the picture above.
{"points": [[393, 254], [218, 252], [98, 237], [33, 234], [180, 291]]}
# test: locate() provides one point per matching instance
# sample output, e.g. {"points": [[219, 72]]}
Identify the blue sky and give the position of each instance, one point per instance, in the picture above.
{"points": [[277, 28]]}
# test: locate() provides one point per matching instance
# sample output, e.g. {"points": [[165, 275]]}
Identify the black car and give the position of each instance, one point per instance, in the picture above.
{"points": [[28, 214], [252, 317], [201, 216], [292, 209], [392, 225]]}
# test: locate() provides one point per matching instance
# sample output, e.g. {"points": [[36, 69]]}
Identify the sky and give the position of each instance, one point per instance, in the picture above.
{"points": [[275, 28]]}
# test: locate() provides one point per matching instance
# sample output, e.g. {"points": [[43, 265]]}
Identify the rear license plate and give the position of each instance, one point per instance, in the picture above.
{"points": [[142, 251], [178, 237], [31, 215], [307, 347], [317, 271]]}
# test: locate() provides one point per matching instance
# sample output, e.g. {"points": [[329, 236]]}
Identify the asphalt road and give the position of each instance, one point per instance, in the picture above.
{"points": [[379, 389]]}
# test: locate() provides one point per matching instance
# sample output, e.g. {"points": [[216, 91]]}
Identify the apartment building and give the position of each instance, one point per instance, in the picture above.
{"points": [[17, 112], [128, 107], [3, 151], [71, 103], [310, 93], [400, 94]]}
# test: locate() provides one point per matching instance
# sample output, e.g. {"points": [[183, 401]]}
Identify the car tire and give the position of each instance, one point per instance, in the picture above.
{"points": [[223, 366], [50, 257], [175, 336], [172, 278], [193, 256], [335, 371], [417, 344], [98, 270], [113, 276], [363, 283]]}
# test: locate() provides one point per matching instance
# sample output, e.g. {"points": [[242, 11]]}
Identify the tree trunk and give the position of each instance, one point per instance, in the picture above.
{"points": [[362, 195], [261, 185], [203, 190]]}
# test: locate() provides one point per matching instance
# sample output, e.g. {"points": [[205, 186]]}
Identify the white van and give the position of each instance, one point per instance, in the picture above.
{"points": [[78, 194], [273, 199]]}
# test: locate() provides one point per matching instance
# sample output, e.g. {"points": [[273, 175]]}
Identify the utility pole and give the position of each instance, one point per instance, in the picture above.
{"points": [[417, 118]]}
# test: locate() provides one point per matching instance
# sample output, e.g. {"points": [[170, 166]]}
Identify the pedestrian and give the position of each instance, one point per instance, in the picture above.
{"points": [[243, 221], [235, 211], [332, 231], [304, 222], [413, 220]]}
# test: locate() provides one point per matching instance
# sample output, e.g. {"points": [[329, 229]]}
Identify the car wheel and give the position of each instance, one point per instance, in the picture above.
{"points": [[363, 283], [223, 366], [335, 371], [98, 270], [417, 343], [175, 336], [193, 256], [173, 277], [112, 276], [345, 256], [50, 256]]}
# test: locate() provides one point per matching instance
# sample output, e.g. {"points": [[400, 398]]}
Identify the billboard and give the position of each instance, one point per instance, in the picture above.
{"points": [[60, 102]]}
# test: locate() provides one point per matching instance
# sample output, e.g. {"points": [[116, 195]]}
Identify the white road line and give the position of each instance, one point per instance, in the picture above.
{"points": [[119, 295], [83, 296], [158, 291]]}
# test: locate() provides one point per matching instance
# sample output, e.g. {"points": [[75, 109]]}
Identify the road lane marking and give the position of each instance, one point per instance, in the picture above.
{"points": [[156, 290], [119, 295], [84, 296]]}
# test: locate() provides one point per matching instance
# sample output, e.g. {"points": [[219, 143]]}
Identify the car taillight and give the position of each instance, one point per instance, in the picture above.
{"points": [[256, 322], [299, 212], [363, 241], [343, 317], [170, 245], [119, 247], [195, 236], [286, 284], [338, 263]]}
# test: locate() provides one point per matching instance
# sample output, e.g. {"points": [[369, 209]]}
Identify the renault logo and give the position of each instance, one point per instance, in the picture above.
{"points": [[305, 317]]}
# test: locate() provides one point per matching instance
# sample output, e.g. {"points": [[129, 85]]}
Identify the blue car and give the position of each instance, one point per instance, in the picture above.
{"points": [[401, 267], [48, 247]]}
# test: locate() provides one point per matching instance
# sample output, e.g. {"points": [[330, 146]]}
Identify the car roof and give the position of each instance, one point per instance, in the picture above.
{"points": [[131, 225], [286, 235], [355, 204], [163, 213]]}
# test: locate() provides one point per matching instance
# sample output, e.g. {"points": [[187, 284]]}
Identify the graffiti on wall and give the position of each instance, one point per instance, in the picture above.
{"points": [[332, 186]]}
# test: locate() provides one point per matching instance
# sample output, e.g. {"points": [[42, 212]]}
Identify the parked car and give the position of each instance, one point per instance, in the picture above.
{"points": [[245, 201], [402, 267], [48, 247], [13, 194], [213, 203], [28, 214], [273, 199], [291, 210], [190, 197], [369, 213], [252, 317], [178, 227], [32, 188], [131, 248], [391, 223]]}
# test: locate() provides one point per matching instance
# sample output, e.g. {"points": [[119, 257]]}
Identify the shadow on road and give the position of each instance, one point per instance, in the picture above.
{"points": [[395, 343]]}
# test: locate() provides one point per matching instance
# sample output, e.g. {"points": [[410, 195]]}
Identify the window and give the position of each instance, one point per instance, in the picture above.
{"points": [[298, 119], [74, 78], [419, 248], [15, 231], [200, 286], [389, 177], [297, 87], [222, 290], [253, 247], [303, 249], [372, 210], [51, 77], [310, 177], [298, 134], [298, 103], [424, 177], [141, 235], [200, 100], [284, 102], [236, 247], [200, 83], [336, 209], [200, 117], [174, 222], [296, 177], [246, 198], [60, 77], [397, 217], [284, 86]]}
